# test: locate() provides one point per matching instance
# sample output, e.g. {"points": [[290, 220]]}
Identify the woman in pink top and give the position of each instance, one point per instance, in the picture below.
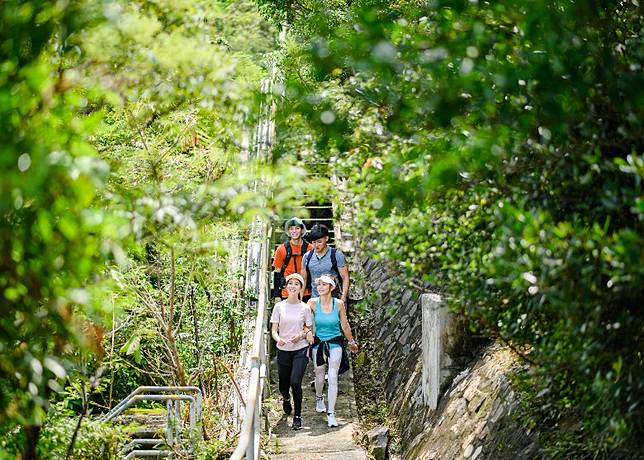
{"points": [[290, 322]]}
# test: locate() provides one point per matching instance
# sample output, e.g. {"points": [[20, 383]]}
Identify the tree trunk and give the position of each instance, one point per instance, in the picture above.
{"points": [[32, 433]]}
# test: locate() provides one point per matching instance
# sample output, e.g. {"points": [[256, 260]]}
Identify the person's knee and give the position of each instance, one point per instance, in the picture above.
{"points": [[296, 380]]}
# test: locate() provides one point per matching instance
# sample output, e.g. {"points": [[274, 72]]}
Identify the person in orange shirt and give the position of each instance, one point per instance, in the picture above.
{"points": [[288, 257]]}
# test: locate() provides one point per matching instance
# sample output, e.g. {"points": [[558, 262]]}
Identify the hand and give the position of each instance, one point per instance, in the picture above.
{"points": [[353, 346], [309, 337], [296, 338], [281, 342]]}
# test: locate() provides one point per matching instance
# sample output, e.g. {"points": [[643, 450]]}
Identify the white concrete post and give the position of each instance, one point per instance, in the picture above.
{"points": [[434, 317]]}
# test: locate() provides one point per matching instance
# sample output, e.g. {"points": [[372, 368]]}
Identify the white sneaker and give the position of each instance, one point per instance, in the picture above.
{"points": [[319, 404], [330, 418]]}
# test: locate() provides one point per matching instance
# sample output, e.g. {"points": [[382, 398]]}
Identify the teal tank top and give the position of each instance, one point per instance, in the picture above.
{"points": [[327, 325]]}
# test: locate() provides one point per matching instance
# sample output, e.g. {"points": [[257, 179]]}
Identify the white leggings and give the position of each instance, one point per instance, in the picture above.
{"points": [[334, 365]]}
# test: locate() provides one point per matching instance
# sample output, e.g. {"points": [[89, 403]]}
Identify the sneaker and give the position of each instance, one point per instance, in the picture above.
{"points": [[297, 423], [286, 405], [330, 419], [319, 404]]}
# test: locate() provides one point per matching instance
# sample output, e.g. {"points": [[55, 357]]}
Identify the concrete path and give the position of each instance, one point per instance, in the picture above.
{"points": [[315, 441]]}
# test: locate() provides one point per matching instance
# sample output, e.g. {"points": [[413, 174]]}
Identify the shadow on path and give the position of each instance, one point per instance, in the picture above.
{"points": [[315, 440]]}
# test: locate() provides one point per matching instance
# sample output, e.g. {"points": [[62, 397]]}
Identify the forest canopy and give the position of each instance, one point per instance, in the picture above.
{"points": [[123, 206], [494, 151]]}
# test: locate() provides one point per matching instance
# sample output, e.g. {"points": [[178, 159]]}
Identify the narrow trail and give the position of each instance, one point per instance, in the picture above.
{"points": [[315, 441]]}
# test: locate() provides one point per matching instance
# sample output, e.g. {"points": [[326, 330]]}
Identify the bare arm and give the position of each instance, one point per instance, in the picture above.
{"points": [[310, 334], [280, 341], [346, 328], [277, 277], [344, 274], [308, 330], [303, 273], [278, 260]]}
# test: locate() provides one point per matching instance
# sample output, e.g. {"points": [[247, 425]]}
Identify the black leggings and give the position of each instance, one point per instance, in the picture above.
{"points": [[291, 366]]}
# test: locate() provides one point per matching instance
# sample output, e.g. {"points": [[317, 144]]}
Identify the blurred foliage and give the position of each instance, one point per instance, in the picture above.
{"points": [[494, 150], [120, 148], [52, 239]]}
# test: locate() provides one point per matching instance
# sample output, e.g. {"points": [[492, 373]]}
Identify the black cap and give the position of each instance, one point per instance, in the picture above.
{"points": [[318, 231]]}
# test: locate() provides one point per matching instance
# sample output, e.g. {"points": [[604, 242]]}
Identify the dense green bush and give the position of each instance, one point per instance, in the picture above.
{"points": [[118, 124], [95, 440], [51, 240], [494, 150]]}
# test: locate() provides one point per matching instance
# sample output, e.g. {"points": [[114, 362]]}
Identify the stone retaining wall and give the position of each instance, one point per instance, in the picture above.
{"points": [[473, 418]]}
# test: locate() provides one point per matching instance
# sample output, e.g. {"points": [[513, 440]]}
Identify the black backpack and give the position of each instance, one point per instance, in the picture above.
{"points": [[334, 268]]}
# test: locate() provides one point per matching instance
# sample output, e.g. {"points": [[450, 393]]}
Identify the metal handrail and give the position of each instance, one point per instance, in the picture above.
{"points": [[248, 442], [133, 397], [130, 451], [173, 395], [249, 435]]}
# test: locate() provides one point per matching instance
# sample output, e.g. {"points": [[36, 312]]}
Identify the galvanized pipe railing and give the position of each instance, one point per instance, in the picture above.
{"points": [[257, 276], [136, 396], [173, 395], [249, 436]]}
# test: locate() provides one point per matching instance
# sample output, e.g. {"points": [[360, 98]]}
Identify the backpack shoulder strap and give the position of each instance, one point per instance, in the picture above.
{"points": [[289, 253], [305, 262], [308, 258], [334, 267]]}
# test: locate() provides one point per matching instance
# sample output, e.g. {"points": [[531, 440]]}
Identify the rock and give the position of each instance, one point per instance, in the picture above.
{"points": [[456, 407], [378, 442], [480, 426], [476, 403], [405, 335], [472, 388], [468, 440]]}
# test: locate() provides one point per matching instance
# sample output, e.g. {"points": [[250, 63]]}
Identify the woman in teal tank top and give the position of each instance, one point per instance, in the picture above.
{"points": [[330, 321], [327, 325]]}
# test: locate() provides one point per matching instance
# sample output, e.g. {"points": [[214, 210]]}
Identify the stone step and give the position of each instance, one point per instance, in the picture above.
{"points": [[315, 440]]}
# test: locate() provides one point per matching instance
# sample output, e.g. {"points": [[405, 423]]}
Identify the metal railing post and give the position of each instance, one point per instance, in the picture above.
{"points": [[172, 395], [169, 429]]}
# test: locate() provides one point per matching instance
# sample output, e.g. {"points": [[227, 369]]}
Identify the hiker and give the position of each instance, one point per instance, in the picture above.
{"points": [[291, 323], [324, 259], [288, 258], [330, 320]]}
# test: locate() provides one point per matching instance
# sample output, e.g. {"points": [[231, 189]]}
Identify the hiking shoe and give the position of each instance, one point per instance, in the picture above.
{"points": [[297, 423], [319, 404], [330, 419], [286, 405]]}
